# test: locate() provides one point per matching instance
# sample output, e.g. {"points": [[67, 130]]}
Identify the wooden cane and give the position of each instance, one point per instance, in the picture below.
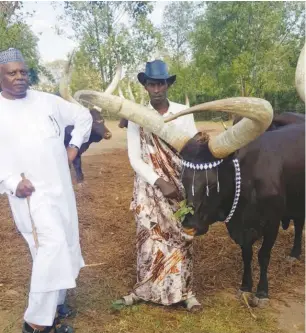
{"points": [[34, 232]]}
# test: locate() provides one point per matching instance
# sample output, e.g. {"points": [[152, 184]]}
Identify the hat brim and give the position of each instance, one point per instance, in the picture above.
{"points": [[142, 77]]}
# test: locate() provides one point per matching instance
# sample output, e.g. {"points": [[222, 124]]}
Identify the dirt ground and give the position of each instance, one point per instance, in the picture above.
{"points": [[107, 234]]}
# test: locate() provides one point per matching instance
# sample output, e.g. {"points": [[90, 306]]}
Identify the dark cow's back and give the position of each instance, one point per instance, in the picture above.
{"points": [[67, 137], [279, 120], [278, 158], [98, 132]]}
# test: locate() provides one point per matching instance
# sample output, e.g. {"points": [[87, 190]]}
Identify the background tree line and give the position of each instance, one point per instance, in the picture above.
{"points": [[216, 49], [14, 32]]}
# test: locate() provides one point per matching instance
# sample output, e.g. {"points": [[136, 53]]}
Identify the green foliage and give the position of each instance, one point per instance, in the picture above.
{"points": [[9, 10], [15, 33], [183, 210], [179, 19], [18, 35], [108, 32], [216, 49], [85, 74], [250, 49]]}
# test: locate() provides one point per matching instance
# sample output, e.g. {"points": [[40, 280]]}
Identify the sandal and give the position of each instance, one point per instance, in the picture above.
{"points": [[128, 300], [65, 311], [192, 304], [57, 327], [62, 328]]}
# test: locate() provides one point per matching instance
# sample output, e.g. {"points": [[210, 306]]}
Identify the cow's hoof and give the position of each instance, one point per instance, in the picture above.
{"points": [[260, 302]]}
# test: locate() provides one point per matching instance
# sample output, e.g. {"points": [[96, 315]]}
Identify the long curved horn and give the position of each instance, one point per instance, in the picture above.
{"points": [[258, 111], [132, 98], [142, 94], [141, 115], [120, 92], [113, 85], [64, 90], [223, 124], [64, 82], [300, 75], [122, 122], [187, 101]]}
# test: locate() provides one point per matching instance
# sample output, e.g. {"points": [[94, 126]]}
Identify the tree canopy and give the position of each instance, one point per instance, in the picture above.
{"points": [[217, 49], [15, 33]]}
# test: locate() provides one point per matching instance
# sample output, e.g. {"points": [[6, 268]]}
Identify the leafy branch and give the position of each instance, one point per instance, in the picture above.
{"points": [[183, 210]]}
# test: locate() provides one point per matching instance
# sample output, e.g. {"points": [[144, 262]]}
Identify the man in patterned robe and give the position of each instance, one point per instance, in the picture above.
{"points": [[164, 252]]}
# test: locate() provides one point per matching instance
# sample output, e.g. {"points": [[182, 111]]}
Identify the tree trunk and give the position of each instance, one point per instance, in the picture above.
{"points": [[242, 82], [109, 35], [102, 75]]}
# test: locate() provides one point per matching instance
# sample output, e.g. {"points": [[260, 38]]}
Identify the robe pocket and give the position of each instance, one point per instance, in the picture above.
{"points": [[21, 214], [50, 127]]}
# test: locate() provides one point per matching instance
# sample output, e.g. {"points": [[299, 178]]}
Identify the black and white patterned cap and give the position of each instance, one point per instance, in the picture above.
{"points": [[11, 55]]}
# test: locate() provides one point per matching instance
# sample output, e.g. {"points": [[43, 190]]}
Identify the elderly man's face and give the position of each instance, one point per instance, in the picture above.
{"points": [[14, 79], [157, 90]]}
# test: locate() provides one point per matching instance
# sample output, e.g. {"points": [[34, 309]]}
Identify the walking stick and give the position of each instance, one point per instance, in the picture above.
{"points": [[34, 232]]}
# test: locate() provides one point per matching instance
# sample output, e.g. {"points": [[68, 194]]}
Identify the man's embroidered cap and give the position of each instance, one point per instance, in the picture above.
{"points": [[11, 55]]}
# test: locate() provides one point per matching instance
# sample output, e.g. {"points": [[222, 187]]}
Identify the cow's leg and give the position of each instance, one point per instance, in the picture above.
{"points": [[247, 280], [285, 223], [264, 254], [78, 169], [298, 231]]}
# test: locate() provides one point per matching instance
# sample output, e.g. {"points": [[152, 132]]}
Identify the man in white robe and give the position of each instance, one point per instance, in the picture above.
{"points": [[32, 132]]}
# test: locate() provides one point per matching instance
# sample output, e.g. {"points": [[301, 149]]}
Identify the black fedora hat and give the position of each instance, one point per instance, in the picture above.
{"points": [[156, 70]]}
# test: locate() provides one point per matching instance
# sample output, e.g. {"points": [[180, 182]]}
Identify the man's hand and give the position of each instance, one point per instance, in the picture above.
{"points": [[168, 189], [72, 153], [24, 189]]}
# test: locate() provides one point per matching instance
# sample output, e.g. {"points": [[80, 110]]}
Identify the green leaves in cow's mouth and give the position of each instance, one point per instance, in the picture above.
{"points": [[183, 210]]}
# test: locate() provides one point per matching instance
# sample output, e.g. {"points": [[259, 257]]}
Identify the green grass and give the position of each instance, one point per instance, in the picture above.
{"points": [[221, 314]]}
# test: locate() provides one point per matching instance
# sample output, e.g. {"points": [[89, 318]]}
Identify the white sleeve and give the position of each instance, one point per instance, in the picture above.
{"points": [[79, 117], [144, 170], [190, 125], [9, 184], [9, 169]]}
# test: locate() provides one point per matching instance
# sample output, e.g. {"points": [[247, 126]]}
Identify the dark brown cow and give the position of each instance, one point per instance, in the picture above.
{"points": [[272, 188], [279, 120], [98, 132]]}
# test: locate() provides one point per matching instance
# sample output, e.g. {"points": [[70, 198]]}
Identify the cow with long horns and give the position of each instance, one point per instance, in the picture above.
{"points": [[249, 184], [99, 130], [123, 123]]}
